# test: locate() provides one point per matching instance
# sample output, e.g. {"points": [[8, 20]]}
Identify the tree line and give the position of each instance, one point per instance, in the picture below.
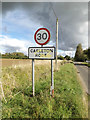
{"points": [[67, 57], [19, 55], [80, 55], [14, 55]]}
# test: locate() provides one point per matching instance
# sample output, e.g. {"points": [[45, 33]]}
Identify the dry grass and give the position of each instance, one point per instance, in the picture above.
{"points": [[24, 62], [12, 62]]}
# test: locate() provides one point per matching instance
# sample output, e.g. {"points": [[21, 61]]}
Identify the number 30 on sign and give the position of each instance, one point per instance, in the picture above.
{"points": [[42, 36]]}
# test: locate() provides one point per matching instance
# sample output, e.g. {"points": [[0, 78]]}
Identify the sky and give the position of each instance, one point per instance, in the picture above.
{"points": [[20, 20]]}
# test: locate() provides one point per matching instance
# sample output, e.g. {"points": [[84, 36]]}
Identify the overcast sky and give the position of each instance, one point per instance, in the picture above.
{"points": [[20, 20]]}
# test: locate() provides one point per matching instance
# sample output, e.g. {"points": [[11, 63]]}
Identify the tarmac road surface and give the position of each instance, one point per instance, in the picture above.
{"points": [[84, 72]]}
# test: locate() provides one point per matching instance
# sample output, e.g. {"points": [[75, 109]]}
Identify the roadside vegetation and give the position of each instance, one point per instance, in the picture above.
{"points": [[89, 107], [82, 55], [86, 63], [69, 99], [14, 55], [64, 58]]}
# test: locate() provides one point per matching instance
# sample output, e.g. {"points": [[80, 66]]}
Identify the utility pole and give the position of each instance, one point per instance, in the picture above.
{"points": [[56, 43], [56, 66]]}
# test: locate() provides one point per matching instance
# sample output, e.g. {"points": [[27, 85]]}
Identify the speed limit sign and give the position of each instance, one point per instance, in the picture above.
{"points": [[42, 36]]}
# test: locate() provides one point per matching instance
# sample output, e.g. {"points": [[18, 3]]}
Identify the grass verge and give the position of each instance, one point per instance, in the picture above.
{"points": [[89, 107], [85, 63], [68, 97]]}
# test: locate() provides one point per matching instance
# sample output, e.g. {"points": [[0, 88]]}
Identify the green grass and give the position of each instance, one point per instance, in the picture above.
{"points": [[89, 107], [68, 95], [87, 64]]}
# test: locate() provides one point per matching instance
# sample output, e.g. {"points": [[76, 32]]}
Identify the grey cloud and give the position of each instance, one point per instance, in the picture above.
{"points": [[0, 18], [71, 17], [89, 24], [45, 0], [10, 48]]}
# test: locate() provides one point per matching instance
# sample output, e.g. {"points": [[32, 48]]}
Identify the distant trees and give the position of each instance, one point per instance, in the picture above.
{"points": [[81, 55], [17, 55], [61, 57], [0, 55], [89, 53], [14, 55], [67, 57]]}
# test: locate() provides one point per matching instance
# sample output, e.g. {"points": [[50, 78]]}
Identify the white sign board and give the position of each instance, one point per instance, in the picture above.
{"points": [[41, 53]]}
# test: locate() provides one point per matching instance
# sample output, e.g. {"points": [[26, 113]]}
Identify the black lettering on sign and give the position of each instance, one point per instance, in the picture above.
{"points": [[39, 36], [42, 36], [34, 50], [37, 55], [51, 50], [31, 50]]}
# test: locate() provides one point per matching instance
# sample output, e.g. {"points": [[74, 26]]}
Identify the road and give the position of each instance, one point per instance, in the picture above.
{"points": [[84, 72]]}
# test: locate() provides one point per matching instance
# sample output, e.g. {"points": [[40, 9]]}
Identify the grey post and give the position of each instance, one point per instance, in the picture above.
{"points": [[52, 80], [33, 89], [56, 67]]}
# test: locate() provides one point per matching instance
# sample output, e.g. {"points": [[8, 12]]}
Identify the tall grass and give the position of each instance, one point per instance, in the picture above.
{"points": [[68, 97]]}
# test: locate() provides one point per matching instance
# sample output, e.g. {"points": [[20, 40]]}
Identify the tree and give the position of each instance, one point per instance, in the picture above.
{"points": [[17, 55], [67, 57], [85, 52], [79, 56], [89, 53], [61, 57], [0, 55]]}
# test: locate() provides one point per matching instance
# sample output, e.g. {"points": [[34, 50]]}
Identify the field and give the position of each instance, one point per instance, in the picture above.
{"points": [[13, 62], [69, 99]]}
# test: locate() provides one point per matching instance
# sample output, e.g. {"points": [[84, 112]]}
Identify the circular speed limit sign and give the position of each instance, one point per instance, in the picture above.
{"points": [[42, 36]]}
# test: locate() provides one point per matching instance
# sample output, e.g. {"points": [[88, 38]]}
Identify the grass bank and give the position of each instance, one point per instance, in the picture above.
{"points": [[85, 63], [89, 107], [68, 97]]}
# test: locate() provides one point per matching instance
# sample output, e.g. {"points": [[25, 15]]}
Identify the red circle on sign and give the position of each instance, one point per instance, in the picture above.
{"points": [[45, 41]]}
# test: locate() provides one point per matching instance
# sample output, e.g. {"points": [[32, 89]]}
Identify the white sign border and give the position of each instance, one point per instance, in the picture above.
{"points": [[43, 58]]}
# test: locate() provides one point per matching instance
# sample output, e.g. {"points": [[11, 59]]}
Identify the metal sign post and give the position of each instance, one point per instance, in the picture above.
{"points": [[52, 80], [33, 89]]}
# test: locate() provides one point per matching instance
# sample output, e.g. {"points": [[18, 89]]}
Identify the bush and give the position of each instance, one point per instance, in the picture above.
{"points": [[67, 57], [61, 57]]}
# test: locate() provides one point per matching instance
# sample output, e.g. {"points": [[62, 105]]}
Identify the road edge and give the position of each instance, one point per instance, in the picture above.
{"points": [[84, 88]]}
